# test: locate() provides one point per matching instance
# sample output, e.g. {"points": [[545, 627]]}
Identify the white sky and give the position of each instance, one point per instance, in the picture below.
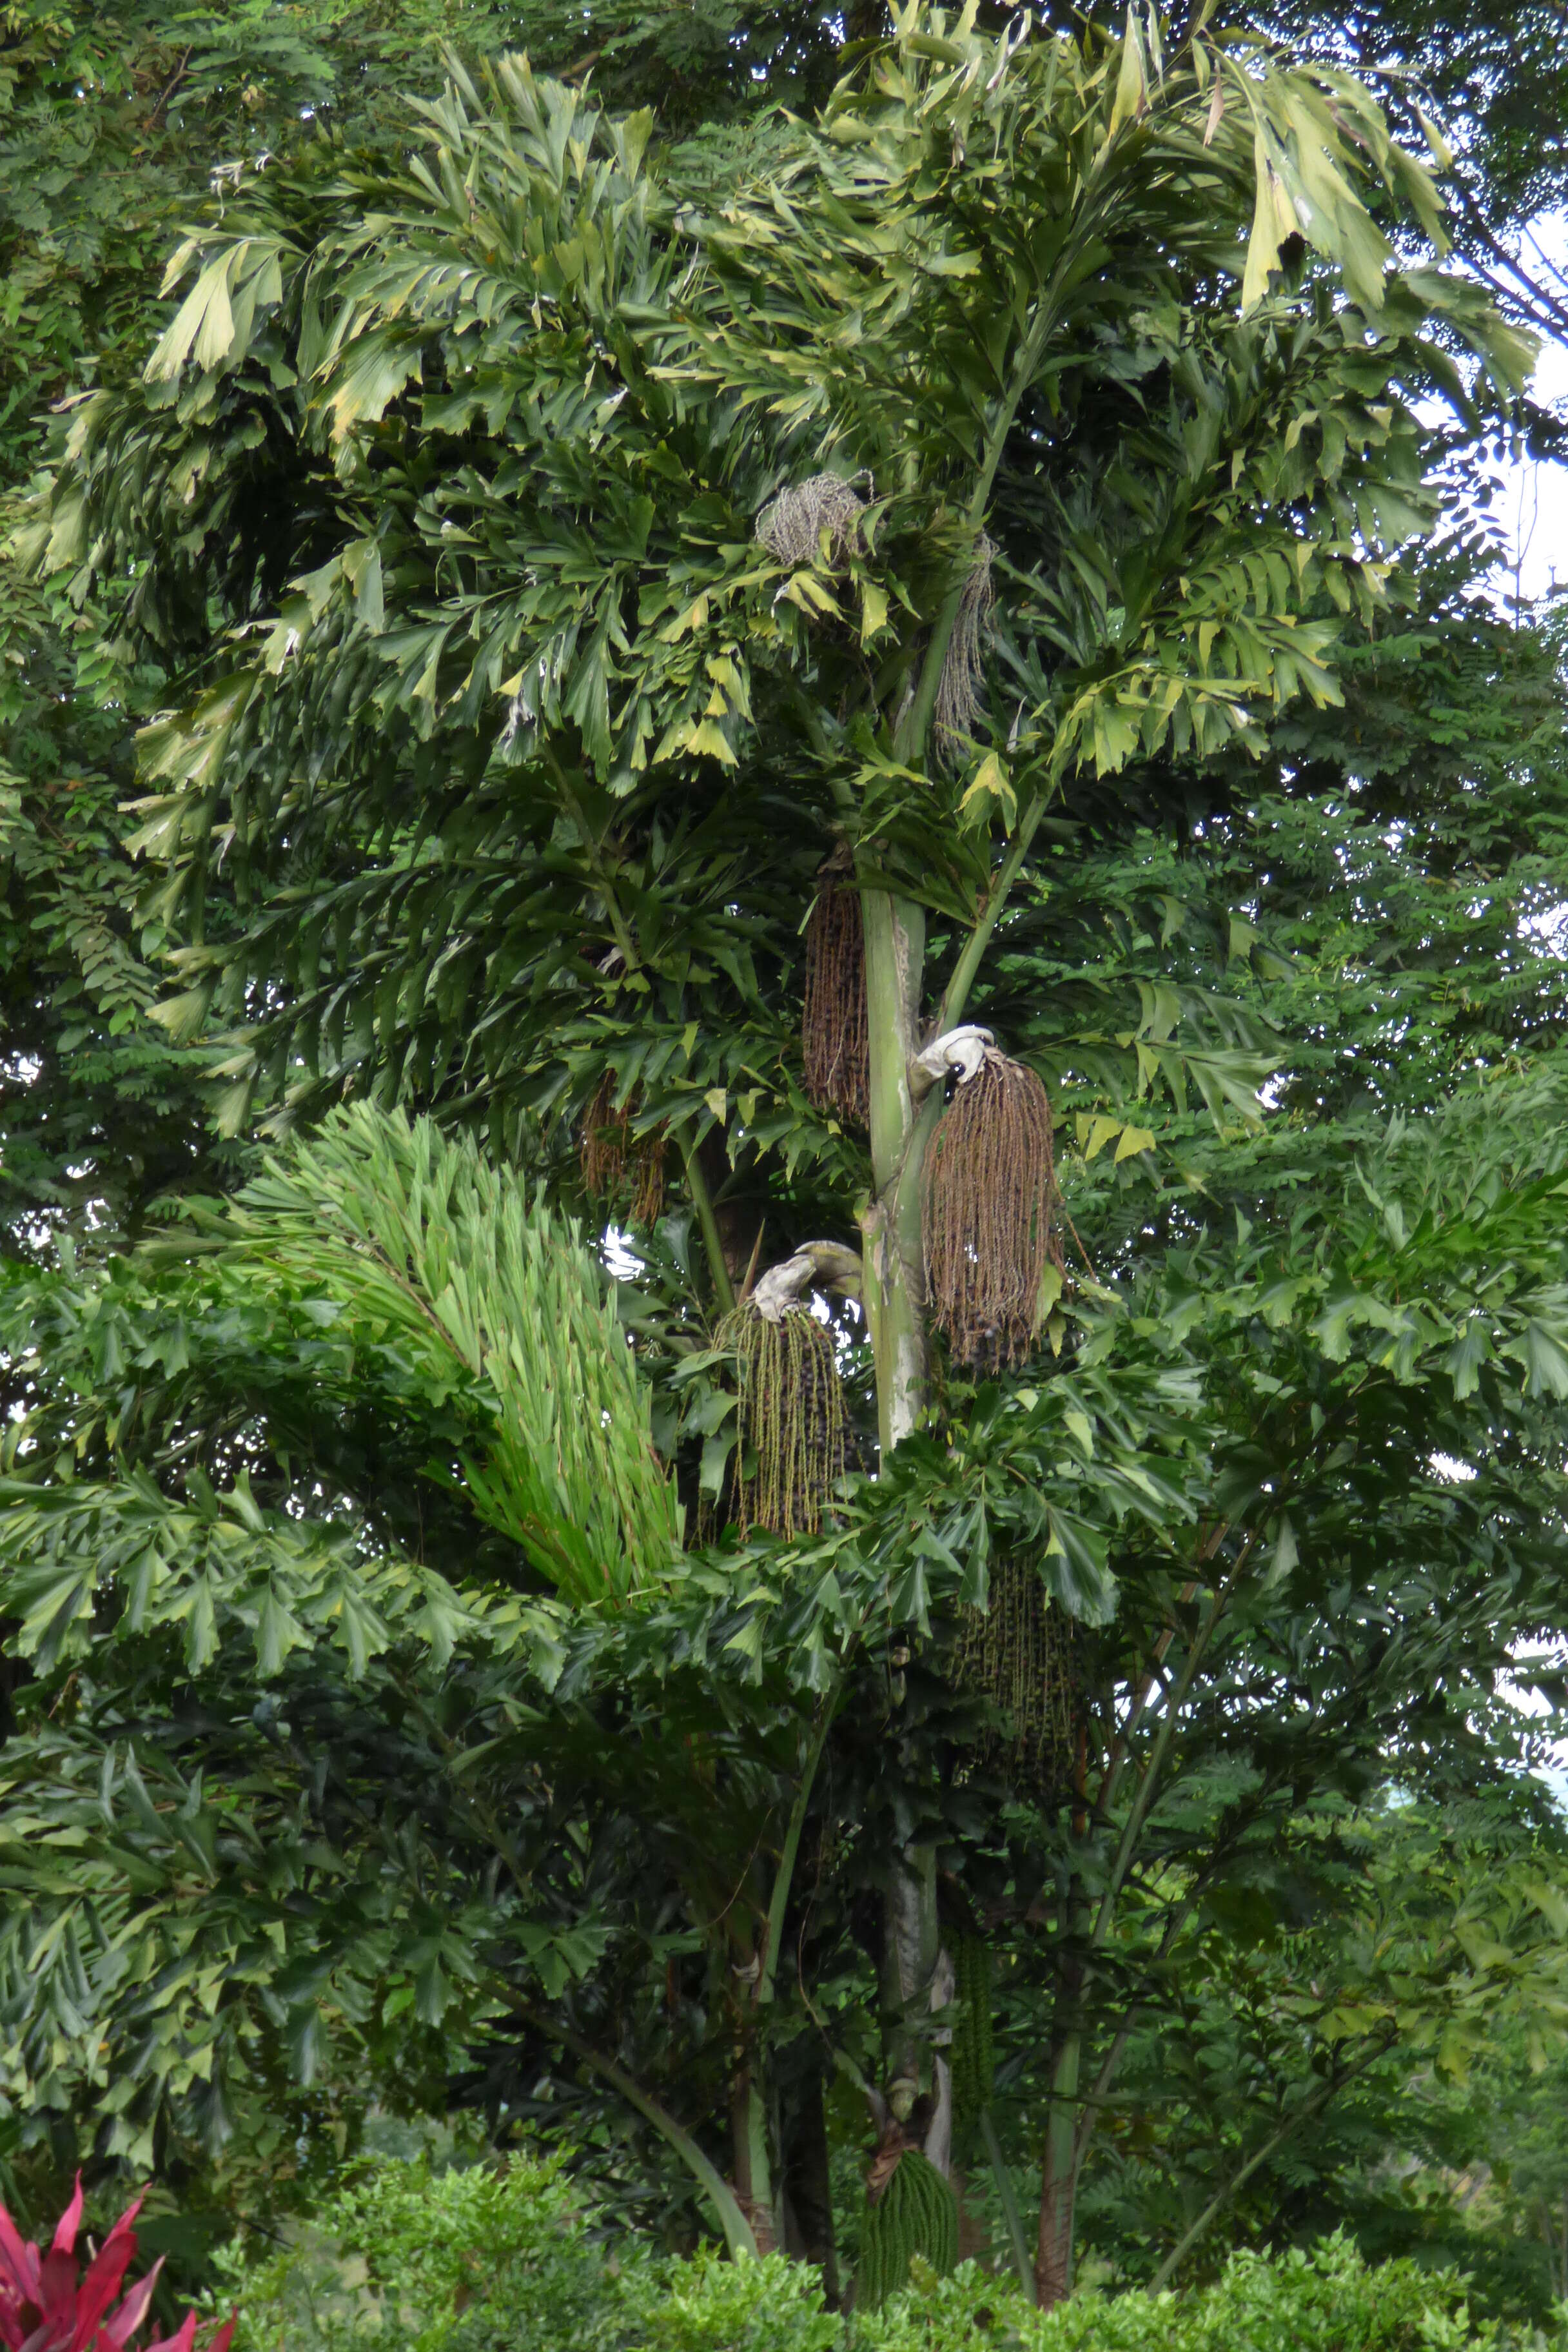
{"points": [[1535, 517]]}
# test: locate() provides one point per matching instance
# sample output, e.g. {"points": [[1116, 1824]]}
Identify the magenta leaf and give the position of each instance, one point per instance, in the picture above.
{"points": [[101, 2285], [69, 2222], [183, 2340], [117, 2331], [46, 2305]]}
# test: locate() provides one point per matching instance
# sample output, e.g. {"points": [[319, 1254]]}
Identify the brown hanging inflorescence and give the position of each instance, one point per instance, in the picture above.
{"points": [[989, 1228], [834, 1033], [960, 693], [1018, 1652], [624, 1170], [789, 1418]]}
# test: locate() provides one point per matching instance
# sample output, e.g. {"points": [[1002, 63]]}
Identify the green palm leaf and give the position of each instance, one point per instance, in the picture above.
{"points": [[422, 1242]]}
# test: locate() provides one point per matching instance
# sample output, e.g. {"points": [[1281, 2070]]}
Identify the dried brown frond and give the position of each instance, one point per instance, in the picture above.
{"points": [[835, 1038], [990, 1228]]}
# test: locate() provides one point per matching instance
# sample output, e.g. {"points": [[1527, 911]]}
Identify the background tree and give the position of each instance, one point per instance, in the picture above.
{"points": [[118, 127]]}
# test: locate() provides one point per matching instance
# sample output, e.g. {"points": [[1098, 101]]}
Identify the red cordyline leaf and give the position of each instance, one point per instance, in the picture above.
{"points": [[183, 2340], [46, 2305], [101, 2285], [70, 2222], [20, 2281]]}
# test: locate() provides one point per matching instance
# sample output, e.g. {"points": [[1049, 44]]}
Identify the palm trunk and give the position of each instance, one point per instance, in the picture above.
{"points": [[1059, 2168], [917, 1977], [1058, 2183], [895, 958], [744, 1959], [894, 1296], [749, 2142], [893, 1274], [909, 1956]]}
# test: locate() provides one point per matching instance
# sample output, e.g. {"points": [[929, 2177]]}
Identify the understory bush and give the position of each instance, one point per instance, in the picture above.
{"points": [[513, 2258]]}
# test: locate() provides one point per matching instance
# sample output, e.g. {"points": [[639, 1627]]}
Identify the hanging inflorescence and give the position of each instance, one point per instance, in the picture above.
{"points": [[1017, 1652], [917, 2213], [789, 1418], [990, 1228], [623, 1169], [791, 526], [833, 1033], [972, 2055], [961, 690]]}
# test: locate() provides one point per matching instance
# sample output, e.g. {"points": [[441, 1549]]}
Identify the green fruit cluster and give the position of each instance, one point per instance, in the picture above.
{"points": [[972, 2055], [917, 2213]]}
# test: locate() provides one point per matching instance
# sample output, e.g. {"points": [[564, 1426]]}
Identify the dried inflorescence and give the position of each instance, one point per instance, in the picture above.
{"points": [[792, 524], [834, 1031], [960, 693], [624, 1170], [819, 520], [789, 1418], [990, 1230], [1017, 1652]]}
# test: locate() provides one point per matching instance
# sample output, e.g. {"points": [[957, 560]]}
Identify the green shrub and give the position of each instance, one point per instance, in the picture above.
{"points": [[410, 2258], [1325, 2299], [708, 2305], [507, 2258]]}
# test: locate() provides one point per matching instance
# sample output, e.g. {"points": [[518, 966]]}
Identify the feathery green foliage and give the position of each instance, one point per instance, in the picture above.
{"points": [[433, 1254]]}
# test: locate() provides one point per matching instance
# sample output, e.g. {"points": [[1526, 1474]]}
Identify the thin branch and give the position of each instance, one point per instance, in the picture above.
{"points": [[1176, 1919], [167, 92], [1542, 306], [1120, 1746], [1238, 2180], [910, 737], [1150, 1781], [963, 972]]}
